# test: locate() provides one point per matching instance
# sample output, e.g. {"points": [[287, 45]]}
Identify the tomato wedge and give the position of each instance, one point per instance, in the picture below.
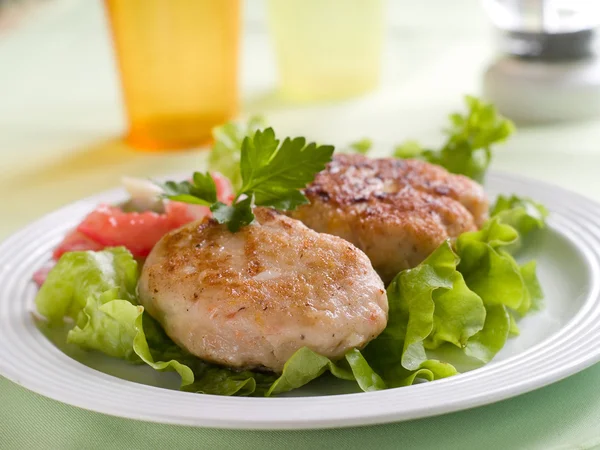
{"points": [[139, 232], [74, 242], [109, 226]]}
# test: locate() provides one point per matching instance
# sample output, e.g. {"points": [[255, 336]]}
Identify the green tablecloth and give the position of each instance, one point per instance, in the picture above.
{"points": [[564, 415], [59, 115]]}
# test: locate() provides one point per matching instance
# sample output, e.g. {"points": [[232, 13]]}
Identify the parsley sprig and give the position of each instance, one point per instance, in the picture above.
{"points": [[273, 173]]}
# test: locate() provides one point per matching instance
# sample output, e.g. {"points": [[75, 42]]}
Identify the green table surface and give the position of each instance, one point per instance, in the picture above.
{"points": [[60, 119]]}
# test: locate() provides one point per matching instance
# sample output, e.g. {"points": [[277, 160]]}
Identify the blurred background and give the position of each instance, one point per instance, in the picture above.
{"points": [[76, 76]]}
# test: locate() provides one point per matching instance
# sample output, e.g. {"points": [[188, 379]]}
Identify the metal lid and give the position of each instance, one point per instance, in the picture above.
{"points": [[545, 46]]}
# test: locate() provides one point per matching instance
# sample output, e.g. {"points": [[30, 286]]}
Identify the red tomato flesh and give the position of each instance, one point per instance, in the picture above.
{"points": [[74, 242], [139, 232], [109, 226]]}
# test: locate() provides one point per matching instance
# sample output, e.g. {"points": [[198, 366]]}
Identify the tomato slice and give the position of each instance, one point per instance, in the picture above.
{"points": [[139, 232], [74, 242], [109, 226]]}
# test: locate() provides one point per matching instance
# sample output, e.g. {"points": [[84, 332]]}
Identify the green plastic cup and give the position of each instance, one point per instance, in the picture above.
{"points": [[327, 49]]}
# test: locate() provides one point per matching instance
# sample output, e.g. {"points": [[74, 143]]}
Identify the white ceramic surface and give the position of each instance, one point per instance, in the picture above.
{"points": [[556, 342]]}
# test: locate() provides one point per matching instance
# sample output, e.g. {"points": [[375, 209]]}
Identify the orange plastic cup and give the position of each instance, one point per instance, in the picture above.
{"points": [[178, 62]]}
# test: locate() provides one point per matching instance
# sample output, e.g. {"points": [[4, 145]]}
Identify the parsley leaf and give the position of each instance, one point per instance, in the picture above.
{"points": [[201, 191], [275, 173], [467, 149], [235, 216], [272, 173]]}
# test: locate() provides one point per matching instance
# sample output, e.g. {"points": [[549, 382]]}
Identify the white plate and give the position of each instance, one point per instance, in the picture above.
{"points": [[558, 341]]}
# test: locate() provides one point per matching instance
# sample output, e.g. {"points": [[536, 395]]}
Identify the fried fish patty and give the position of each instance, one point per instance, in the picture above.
{"points": [[250, 299], [396, 211]]}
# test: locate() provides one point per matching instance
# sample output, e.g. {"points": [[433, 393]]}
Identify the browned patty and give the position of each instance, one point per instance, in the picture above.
{"points": [[250, 299], [397, 211]]}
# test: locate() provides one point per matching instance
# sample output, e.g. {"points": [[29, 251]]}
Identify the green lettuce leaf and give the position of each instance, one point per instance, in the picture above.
{"points": [[521, 213], [488, 270], [504, 286], [465, 296], [428, 370], [428, 305], [534, 289], [219, 381], [459, 314], [164, 355], [303, 367], [160, 352], [513, 329], [490, 340], [364, 375], [110, 321], [80, 275], [396, 375], [108, 327]]}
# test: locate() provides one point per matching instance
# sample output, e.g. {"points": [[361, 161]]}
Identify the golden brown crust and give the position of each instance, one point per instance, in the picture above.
{"points": [[396, 211], [353, 179]]}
